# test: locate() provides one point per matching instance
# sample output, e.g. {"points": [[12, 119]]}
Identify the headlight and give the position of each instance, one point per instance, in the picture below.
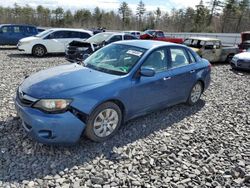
{"points": [[53, 105], [22, 43]]}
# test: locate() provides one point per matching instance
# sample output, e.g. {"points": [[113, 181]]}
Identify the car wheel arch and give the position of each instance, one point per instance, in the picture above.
{"points": [[40, 45], [202, 83], [118, 102]]}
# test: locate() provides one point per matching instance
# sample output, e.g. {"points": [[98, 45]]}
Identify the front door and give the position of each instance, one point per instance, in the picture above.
{"points": [[149, 93], [55, 42]]}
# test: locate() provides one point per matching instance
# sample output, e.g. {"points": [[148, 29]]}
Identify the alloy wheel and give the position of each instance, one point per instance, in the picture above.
{"points": [[196, 92], [105, 122]]}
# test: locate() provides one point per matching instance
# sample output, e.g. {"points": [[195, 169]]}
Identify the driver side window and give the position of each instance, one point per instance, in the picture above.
{"points": [[156, 60]]}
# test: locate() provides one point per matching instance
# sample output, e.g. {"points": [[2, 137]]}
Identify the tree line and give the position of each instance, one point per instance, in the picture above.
{"points": [[214, 16]]}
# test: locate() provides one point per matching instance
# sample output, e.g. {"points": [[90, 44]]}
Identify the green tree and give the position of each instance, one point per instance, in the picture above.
{"points": [[140, 11], [158, 16], [125, 13]]}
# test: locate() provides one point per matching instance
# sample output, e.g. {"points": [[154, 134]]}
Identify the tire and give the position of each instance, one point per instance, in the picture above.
{"points": [[195, 93], [99, 124], [229, 58], [39, 50]]}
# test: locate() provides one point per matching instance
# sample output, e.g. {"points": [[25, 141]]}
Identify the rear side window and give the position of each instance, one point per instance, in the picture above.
{"points": [[179, 57], [159, 34], [192, 58], [17, 29], [115, 38], [31, 30], [129, 37], [81, 35], [209, 45]]}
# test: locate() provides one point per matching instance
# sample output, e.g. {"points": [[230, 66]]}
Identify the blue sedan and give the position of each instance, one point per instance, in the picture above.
{"points": [[119, 82]]}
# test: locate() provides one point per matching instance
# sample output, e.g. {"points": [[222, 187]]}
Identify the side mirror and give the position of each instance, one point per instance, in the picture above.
{"points": [[147, 72]]}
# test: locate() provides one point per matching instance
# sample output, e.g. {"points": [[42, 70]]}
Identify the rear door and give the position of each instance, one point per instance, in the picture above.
{"points": [[183, 73], [17, 34]]}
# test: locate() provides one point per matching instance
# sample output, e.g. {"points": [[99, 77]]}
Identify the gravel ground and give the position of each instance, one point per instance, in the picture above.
{"points": [[207, 145]]}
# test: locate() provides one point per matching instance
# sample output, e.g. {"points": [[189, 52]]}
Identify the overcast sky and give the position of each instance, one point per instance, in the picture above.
{"points": [[165, 5]]}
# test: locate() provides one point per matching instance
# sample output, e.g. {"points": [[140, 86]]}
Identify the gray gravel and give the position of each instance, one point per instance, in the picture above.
{"points": [[206, 145]]}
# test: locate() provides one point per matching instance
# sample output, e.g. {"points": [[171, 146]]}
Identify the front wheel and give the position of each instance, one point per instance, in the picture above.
{"points": [[104, 122], [39, 50], [195, 93]]}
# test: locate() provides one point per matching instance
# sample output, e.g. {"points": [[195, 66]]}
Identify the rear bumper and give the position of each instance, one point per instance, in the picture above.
{"points": [[62, 129]]}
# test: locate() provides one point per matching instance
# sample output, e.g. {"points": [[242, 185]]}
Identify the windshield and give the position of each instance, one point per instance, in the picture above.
{"points": [[99, 38], [115, 59], [194, 43], [44, 33]]}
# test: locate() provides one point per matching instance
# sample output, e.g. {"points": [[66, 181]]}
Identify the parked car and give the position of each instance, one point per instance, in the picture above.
{"points": [[40, 30], [119, 82], [10, 34], [77, 49], [241, 60], [137, 34], [245, 41], [51, 41], [159, 35], [98, 30], [211, 49]]}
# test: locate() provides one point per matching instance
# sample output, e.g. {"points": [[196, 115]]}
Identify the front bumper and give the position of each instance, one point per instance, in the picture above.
{"points": [[26, 48], [241, 65], [64, 128]]}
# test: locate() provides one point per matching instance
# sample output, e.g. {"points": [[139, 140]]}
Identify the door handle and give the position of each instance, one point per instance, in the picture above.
{"points": [[192, 71], [167, 78]]}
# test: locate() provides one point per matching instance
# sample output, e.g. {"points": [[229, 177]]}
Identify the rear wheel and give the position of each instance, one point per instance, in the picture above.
{"points": [[104, 122], [39, 50], [195, 93]]}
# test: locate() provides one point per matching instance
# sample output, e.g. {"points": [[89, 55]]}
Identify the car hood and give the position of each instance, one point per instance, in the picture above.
{"points": [[243, 55], [70, 78], [27, 39]]}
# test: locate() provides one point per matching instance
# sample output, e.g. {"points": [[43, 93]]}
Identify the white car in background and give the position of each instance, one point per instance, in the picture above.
{"points": [[137, 34], [51, 41], [241, 60]]}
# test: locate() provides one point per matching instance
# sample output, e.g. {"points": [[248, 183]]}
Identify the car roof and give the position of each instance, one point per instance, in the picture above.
{"points": [[70, 29], [147, 44], [204, 38], [246, 32], [131, 31], [17, 25]]}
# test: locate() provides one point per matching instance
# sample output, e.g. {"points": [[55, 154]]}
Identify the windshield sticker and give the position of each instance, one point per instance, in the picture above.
{"points": [[134, 52]]}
